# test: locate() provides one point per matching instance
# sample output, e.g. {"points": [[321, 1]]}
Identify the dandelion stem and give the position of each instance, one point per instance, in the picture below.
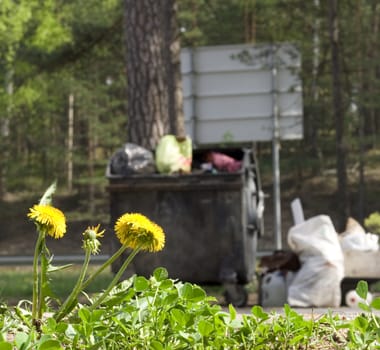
{"points": [[37, 252], [375, 320], [115, 279], [67, 306], [104, 266], [42, 279]]}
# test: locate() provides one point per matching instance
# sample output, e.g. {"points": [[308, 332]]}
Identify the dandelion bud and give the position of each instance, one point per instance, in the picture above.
{"points": [[90, 239]]}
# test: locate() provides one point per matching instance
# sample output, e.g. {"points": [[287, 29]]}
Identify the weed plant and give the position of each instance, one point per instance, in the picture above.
{"points": [[160, 313]]}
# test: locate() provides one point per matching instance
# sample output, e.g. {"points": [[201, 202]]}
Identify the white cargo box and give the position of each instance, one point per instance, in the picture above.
{"points": [[362, 264]]}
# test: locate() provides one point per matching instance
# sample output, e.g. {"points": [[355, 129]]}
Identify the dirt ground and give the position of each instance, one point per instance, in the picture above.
{"points": [[316, 193]]}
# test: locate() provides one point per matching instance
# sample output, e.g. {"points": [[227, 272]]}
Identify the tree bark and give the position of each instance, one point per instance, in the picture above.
{"points": [[312, 125], [172, 52], [339, 116], [154, 90], [70, 143], [361, 110]]}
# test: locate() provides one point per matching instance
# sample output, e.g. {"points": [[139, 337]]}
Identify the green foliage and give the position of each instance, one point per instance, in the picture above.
{"points": [[158, 312], [201, 22], [364, 330], [372, 223], [161, 313], [52, 49]]}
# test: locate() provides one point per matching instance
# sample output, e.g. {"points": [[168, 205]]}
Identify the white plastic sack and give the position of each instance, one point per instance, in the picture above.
{"points": [[355, 238], [317, 283], [368, 242]]}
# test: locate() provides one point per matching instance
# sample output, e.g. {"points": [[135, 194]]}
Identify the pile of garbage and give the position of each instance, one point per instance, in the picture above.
{"points": [[320, 251], [173, 155]]}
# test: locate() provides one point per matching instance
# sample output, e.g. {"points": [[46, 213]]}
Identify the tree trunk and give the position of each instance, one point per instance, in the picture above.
{"points": [[363, 111], [153, 70], [249, 15], [370, 126], [4, 133], [70, 143], [91, 139], [339, 117], [172, 53], [312, 125]]}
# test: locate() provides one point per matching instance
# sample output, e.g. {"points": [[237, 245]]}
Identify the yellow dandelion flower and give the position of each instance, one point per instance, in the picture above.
{"points": [[51, 219], [90, 238], [136, 230]]}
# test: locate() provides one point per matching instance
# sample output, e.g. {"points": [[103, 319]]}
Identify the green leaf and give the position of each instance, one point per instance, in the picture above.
{"points": [[287, 310], [205, 328], [84, 314], [155, 345], [141, 284], [278, 327], [51, 324], [186, 290], [362, 289], [259, 312], [178, 316], [375, 303], [361, 323], [5, 346], [297, 339], [96, 315], [52, 268], [160, 273], [166, 284], [47, 197], [198, 294], [45, 284], [61, 327], [232, 312], [21, 338], [50, 344], [364, 307], [170, 299]]}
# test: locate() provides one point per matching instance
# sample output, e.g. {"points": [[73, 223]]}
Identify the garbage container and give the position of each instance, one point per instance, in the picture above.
{"points": [[211, 221]]}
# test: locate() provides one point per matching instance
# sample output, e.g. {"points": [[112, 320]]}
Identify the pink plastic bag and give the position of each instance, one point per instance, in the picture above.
{"points": [[223, 162]]}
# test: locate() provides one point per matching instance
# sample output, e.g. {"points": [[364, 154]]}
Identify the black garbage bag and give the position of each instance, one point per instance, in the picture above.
{"points": [[132, 159]]}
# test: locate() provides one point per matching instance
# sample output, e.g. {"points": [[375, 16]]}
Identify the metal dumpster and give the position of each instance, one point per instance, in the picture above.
{"points": [[211, 221]]}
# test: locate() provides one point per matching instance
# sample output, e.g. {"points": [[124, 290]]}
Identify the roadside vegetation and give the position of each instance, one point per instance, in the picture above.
{"points": [[156, 312], [64, 114], [161, 313]]}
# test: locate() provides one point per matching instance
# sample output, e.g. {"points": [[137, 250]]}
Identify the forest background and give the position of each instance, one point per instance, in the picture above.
{"points": [[64, 103]]}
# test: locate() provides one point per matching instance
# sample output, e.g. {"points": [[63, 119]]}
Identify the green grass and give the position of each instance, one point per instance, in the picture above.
{"points": [[16, 282]]}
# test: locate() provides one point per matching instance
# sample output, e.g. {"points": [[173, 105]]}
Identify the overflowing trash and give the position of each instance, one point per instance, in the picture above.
{"points": [[209, 202], [317, 245], [131, 159], [277, 272], [223, 162], [174, 154], [312, 273], [327, 262], [355, 238]]}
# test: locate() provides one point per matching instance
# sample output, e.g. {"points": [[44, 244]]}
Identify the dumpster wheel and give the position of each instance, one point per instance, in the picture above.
{"points": [[235, 294]]}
